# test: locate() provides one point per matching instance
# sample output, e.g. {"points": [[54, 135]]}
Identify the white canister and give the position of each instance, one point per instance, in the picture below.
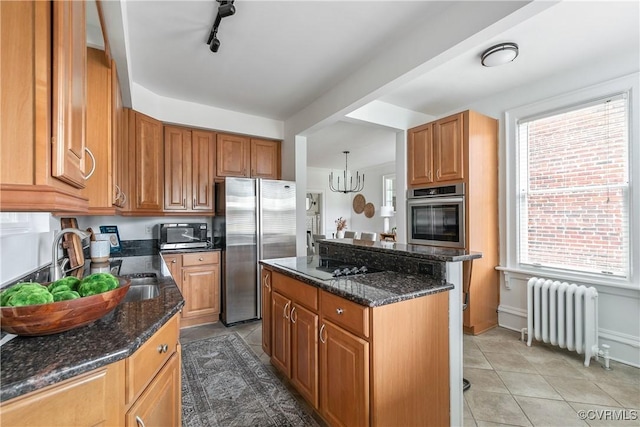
{"points": [[99, 250]]}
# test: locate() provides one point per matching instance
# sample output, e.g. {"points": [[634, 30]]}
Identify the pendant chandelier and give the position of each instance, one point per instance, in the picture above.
{"points": [[353, 188]]}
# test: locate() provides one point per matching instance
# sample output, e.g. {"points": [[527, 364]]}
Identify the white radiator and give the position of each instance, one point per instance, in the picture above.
{"points": [[563, 314]]}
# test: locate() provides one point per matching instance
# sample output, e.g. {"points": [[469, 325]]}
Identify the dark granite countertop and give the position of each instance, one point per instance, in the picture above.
{"points": [[30, 363], [372, 289], [427, 253]]}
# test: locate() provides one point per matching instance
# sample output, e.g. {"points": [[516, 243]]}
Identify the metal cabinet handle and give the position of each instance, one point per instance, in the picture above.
{"points": [[322, 329], [118, 194], [194, 202], [285, 312], [200, 259], [124, 198], [339, 310], [293, 310], [438, 174], [139, 421], [267, 281], [93, 164], [174, 261], [163, 348]]}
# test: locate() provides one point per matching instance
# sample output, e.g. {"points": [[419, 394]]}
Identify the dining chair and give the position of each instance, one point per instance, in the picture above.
{"points": [[350, 234], [368, 236]]}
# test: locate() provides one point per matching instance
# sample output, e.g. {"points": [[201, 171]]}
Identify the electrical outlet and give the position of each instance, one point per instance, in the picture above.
{"points": [[147, 229]]}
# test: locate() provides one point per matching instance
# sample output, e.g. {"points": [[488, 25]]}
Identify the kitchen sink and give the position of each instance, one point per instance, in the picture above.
{"points": [[143, 286]]}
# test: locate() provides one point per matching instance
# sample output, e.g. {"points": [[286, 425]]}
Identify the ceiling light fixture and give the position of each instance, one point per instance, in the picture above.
{"points": [[225, 9], [499, 54], [359, 185]]}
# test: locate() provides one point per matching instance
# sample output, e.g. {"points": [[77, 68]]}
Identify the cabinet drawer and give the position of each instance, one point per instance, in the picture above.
{"points": [[143, 365], [200, 258], [300, 292], [349, 315]]}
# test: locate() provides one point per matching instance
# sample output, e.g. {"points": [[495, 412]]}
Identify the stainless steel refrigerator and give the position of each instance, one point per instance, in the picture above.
{"points": [[255, 219]]}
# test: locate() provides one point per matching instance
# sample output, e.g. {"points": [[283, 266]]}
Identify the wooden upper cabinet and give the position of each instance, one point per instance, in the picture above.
{"points": [[265, 158], [420, 155], [449, 148], [203, 169], [241, 156], [435, 152], [146, 178], [69, 88], [189, 169], [118, 141], [177, 167], [233, 155]]}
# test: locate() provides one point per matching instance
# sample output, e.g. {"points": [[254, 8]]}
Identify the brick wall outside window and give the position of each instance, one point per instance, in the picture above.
{"points": [[574, 213]]}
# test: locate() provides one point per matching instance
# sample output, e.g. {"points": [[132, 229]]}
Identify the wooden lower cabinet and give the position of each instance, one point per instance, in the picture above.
{"points": [[197, 275], [344, 363], [144, 389], [265, 283], [157, 405], [362, 366]]}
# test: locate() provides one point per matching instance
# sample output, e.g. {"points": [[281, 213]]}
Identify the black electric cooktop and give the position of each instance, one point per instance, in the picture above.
{"points": [[325, 268]]}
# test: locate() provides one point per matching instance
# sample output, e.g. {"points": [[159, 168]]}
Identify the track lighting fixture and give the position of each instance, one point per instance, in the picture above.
{"points": [[226, 8]]}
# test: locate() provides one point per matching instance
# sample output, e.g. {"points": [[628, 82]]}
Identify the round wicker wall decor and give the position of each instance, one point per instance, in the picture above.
{"points": [[369, 210], [358, 203]]}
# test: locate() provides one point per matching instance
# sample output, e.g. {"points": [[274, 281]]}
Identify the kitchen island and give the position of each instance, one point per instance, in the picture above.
{"points": [[390, 341], [129, 332]]}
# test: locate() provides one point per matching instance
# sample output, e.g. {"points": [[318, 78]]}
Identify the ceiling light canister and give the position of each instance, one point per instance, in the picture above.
{"points": [[499, 54]]}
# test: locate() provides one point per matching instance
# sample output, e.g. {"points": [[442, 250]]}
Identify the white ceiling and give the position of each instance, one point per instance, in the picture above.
{"points": [[277, 57]]}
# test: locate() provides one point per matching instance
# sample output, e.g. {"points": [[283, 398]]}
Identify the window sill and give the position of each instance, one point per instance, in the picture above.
{"points": [[614, 282]]}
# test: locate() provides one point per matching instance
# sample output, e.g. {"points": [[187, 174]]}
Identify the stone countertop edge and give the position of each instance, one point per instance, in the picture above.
{"points": [[31, 363], [429, 253], [382, 288]]}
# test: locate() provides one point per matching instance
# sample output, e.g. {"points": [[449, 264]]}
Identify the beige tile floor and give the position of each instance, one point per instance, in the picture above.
{"points": [[512, 384]]}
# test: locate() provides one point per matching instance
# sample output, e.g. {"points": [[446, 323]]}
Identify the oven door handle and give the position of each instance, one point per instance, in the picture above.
{"points": [[435, 200]]}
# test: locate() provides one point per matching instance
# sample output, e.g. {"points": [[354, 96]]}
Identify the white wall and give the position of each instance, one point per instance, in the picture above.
{"points": [[619, 307], [134, 228]]}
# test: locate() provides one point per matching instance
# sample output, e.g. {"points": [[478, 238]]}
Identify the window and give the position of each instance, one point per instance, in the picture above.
{"points": [[573, 188], [389, 190]]}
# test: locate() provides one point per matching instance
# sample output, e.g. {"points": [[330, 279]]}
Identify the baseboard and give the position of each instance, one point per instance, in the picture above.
{"points": [[624, 347]]}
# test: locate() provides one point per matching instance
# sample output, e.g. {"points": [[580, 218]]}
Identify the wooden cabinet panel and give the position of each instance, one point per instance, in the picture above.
{"points": [[420, 155], [301, 293], [69, 92], [304, 352], [99, 187], [344, 377], [118, 141], [280, 333], [66, 404], [160, 404], [177, 168], [265, 284], [232, 155], [203, 169], [200, 292], [147, 172], [143, 365], [200, 258], [265, 159], [449, 148], [347, 314], [174, 263]]}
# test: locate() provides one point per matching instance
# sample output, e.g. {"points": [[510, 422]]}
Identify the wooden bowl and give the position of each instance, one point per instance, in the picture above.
{"points": [[56, 317]]}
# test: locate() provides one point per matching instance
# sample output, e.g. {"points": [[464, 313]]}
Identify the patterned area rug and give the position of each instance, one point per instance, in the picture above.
{"points": [[225, 384]]}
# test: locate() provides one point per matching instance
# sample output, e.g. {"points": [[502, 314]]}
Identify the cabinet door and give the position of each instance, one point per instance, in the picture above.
{"points": [[203, 152], [174, 264], [344, 377], [200, 288], [69, 92], [265, 159], [232, 155], [266, 311], [304, 351], [159, 405], [280, 333], [420, 155], [147, 178], [177, 169], [118, 133], [99, 188], [449, 148]]}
